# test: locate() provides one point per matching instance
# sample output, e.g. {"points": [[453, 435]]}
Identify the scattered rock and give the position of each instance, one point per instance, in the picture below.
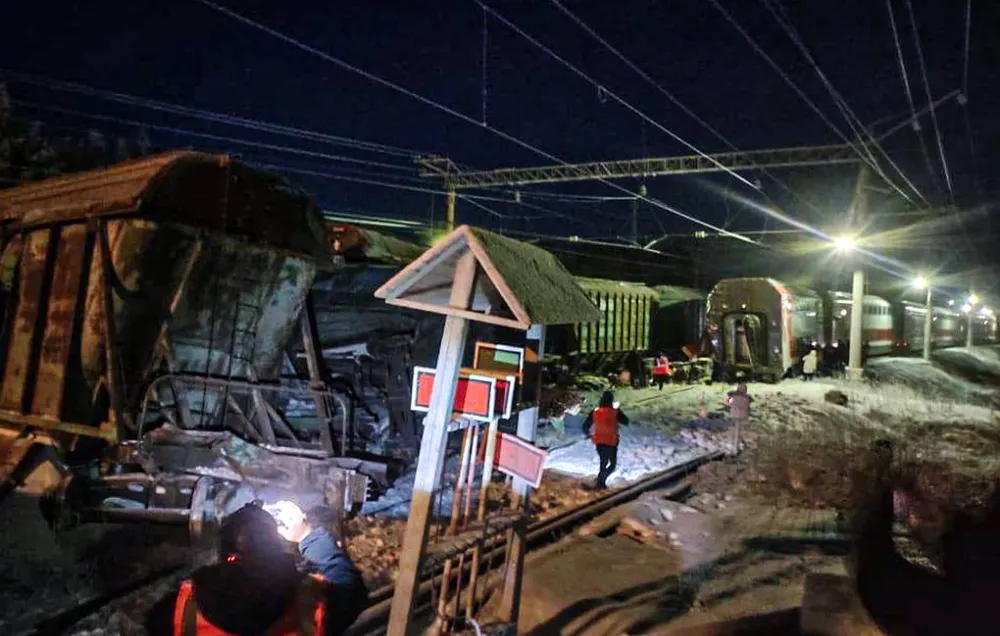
{"points": [[635, 529], [836, 397]]}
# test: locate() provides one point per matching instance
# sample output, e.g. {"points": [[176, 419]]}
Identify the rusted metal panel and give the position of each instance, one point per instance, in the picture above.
{"points": [[93, 192], [64, 303], [24, 337]]}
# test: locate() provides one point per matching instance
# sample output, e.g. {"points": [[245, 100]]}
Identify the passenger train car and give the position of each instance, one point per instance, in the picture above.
{"points": [[760, 327]]}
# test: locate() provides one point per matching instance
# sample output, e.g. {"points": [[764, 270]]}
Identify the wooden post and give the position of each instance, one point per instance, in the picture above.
{"points": [[527, 424], [317, 374], [442, 624], [449, 218], [491, 445], [432, 448]]}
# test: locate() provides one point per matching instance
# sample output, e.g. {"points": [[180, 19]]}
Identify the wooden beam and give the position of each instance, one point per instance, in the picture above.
{"points": [[498, 281], [432, 449], [527, 425], [510, 323], [409, 275]]}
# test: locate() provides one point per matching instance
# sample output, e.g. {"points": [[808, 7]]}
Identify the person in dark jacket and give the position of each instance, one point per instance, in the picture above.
{"points": [[259, 587], [605, 420]]}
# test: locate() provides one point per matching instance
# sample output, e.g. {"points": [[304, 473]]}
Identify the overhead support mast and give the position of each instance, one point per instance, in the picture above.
{"points": [[437, 167], [434, 167]]}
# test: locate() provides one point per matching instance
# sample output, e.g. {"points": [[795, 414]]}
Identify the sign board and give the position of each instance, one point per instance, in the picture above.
{"points": [[475, 395], [520, 458], [499, 358], [471, 393]]}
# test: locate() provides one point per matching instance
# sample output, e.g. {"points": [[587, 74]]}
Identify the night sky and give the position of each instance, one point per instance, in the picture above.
{"points": [[188, 54]]}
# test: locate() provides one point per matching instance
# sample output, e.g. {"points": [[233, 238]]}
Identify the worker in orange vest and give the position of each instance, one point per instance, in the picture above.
{"points": [[662, 371], [258, 587], [605, 420]]}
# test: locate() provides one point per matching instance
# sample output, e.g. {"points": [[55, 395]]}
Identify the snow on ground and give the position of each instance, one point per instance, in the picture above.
{"points": [[643, 449], [929, 378]]}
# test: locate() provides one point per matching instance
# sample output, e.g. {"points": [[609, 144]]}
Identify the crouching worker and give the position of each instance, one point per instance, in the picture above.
{"points": [[259, 587], [605, 420]]}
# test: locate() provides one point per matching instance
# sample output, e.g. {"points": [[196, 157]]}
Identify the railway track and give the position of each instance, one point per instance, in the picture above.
{"points": [[540, 534], [60, 622], [374, 619]]}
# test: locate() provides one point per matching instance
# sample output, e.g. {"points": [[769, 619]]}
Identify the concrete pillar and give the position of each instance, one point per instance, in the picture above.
{"points": [[855, 370]]}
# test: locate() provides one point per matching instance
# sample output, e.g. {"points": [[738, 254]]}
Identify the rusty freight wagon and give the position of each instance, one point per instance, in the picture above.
{"points": [[153, 303]]}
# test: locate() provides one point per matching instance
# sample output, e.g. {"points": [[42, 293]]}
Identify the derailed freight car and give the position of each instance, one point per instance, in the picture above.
{"points": [[148, 308], [621, 336]]}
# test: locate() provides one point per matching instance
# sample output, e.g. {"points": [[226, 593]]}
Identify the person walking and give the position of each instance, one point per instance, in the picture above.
{"points": [[738, 402], [257, 587], [809, 363], [605, 420], [662, 371]]}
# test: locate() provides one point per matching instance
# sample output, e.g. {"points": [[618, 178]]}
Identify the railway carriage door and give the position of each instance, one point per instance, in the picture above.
{"points": [[744, 340]]}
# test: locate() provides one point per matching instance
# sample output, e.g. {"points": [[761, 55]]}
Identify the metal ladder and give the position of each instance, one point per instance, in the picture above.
{"points": [[249, 309]]}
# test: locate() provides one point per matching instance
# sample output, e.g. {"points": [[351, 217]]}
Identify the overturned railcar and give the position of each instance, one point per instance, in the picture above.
{"points": [[154, 302]]}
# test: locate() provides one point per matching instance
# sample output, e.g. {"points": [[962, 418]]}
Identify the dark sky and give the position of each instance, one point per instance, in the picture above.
{"points": [[189, 54]]}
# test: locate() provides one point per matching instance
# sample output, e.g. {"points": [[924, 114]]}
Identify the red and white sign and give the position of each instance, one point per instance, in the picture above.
{"points": [[478, 396], [475, 395], [520, 458]]}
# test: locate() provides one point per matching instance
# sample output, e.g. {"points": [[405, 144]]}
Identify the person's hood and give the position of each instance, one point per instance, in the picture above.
{"points": [[246, 596]]}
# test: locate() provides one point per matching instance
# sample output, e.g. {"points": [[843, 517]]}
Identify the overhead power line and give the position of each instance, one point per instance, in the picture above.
{"points": [[927, 88], [805, 98], [679, 104], [606, 91], [909, 96], [207, 115], [857, 126], [203, 135], [445, 109]]}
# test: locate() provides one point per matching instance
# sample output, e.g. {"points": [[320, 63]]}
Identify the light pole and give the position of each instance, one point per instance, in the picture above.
{"points": [[921, 282], [971, 305], [855, 367]]}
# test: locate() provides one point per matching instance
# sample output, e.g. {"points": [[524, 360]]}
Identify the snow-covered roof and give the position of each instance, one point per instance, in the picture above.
{"points": [[518, 284], [604, 286]]}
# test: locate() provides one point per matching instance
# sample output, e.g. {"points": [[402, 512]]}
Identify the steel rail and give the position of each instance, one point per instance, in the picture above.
{"points": [[373, 620]]}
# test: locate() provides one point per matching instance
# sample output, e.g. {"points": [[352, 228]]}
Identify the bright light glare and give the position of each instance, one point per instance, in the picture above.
{"points": [[844, 243], [920, 282], [287, 515], [966, 309], [951, 302], [973, 299]]}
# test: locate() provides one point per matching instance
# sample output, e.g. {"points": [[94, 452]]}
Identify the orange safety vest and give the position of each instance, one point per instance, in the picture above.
{"points": [[662, 366], [306, 617], [605, 419]]}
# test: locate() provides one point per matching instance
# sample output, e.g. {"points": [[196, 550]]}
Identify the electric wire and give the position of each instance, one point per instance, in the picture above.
{"points": [[857, 126], [927, 88], [809, 102], [608, 92], [206, 115], [683, 107], [909, 97], [203, 135], [445, 109]]}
